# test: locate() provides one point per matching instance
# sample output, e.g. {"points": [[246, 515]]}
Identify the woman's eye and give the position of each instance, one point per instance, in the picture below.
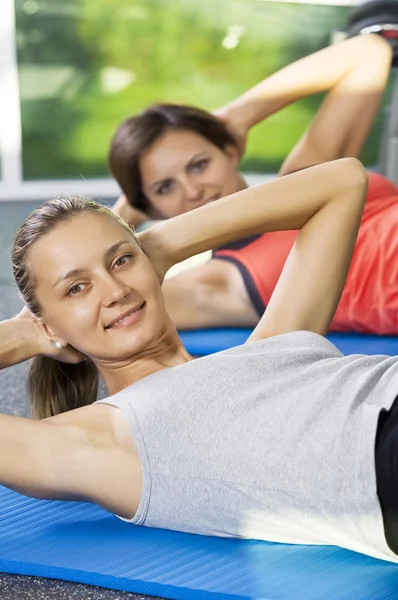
{"points": [[75, 289], [200, 165], [164, 188], [123, 260]]}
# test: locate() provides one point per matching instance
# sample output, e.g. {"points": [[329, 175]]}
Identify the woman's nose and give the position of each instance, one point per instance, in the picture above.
{"points": [[113, 290], [193, 192]]}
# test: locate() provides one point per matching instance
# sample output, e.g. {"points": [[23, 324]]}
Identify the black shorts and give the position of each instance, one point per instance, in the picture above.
{"points": [[386, 458]]}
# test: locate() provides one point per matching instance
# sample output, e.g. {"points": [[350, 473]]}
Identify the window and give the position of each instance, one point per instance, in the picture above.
{"points": [[85, 65]]}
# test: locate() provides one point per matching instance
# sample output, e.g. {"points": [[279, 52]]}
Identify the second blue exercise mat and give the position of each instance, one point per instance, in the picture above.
{"points": [[207, 341], [80, 542]]}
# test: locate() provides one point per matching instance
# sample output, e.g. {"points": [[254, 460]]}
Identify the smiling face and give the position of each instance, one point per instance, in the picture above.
{"points": [[183, 170], [96, 288]]}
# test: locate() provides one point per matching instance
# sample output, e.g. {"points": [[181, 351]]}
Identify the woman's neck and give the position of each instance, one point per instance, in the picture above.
{"points": [[164, 352], [240, 183]]}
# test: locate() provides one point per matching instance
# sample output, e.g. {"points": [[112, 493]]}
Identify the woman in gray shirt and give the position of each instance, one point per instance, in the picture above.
{"points": [[272, 440]]}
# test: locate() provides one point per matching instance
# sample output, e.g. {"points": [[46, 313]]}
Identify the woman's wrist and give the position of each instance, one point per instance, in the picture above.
{"points": [[18, 342], [249, 112], [238, 118], [26, 335]]}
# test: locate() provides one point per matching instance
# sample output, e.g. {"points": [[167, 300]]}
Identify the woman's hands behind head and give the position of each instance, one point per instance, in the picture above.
{"points": [[155, 247], [32, 330], [238, 131], [132, 216]]}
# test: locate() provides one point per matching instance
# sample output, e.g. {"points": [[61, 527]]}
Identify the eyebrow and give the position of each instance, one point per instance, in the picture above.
{"points": [[74, 272], [194, 157]]}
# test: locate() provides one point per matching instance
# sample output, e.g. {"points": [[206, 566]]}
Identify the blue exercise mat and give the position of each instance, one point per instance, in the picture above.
{"points": [[208, 341], [83, 543]]}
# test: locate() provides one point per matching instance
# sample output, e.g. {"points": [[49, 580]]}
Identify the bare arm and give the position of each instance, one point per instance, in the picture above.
{"points": [[22, 338], [283, 204], [211, 295], [355, 74], [29, 450], [310, 285], [17, 342], [85, 454]]}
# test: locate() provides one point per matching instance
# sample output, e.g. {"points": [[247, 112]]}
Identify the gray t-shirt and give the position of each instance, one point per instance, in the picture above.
{"points": [[272, 440]]}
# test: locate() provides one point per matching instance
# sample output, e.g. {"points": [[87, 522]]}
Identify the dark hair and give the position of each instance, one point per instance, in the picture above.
{"points": [[138, 133], [54, 387]]}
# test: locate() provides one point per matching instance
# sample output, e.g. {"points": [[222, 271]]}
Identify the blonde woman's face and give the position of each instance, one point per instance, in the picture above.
{"points": [[97, 290], [183, 170]]}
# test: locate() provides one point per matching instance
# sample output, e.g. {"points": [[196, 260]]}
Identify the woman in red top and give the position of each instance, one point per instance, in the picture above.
{"points": [[369, 303], [171, 159]]}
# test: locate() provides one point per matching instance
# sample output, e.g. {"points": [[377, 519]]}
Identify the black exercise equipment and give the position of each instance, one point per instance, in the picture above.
{"points": [[376, 16], [381, 17]]}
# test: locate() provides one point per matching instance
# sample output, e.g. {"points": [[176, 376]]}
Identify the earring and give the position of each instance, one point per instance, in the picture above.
{"points": [[58, 345]]}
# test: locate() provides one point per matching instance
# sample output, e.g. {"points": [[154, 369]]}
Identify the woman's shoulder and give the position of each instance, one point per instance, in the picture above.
{"points": [[294, 341], [299, 337], [281, 349]]}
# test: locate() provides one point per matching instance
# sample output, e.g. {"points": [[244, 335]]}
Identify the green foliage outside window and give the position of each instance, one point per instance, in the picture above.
{"points": [[85, 65]]}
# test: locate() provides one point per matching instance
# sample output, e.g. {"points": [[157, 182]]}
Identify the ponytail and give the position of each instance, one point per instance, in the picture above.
{"points": [[56, 387]]}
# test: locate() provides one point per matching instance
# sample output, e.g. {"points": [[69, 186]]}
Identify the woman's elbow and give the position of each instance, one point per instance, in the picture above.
{"points": [[353, 176]]}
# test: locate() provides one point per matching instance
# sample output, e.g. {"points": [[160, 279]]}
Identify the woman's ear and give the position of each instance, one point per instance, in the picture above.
{"points": [[51, 335]]}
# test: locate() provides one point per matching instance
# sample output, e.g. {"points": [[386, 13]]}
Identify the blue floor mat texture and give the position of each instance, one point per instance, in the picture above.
{"points": [[81, 542], [208, 341]]}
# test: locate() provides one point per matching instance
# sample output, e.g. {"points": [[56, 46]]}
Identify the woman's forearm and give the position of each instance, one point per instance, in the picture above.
{"points": [[370, 55], [285, 203], [16, 342]]}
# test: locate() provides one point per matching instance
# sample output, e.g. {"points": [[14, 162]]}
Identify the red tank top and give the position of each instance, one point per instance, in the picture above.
{"points": [[369, 303]]}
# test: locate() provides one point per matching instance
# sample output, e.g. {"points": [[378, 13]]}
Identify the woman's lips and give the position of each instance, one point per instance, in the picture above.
{"points": [[129, 319]]}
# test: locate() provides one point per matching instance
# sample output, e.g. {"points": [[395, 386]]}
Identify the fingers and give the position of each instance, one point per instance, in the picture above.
{"points": [[129, 214]]}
